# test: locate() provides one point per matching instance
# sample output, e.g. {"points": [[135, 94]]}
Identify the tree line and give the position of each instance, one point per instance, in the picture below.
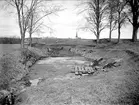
{"points": [[112, 14], [101, 14]]}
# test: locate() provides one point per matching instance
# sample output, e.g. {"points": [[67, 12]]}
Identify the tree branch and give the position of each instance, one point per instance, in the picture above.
{"points": [[130, 20], [10, 3], [44, 16]]}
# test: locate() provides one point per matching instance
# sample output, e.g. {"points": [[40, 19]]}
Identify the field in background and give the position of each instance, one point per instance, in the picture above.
{"points": [[62, 41], [70, 41], [8, 45], [8, 48], [49, 41], [9, 40]]}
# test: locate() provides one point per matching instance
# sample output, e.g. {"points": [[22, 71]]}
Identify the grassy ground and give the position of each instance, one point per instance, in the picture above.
{"points": [[116, 86], [8, 48], [14, 66]]}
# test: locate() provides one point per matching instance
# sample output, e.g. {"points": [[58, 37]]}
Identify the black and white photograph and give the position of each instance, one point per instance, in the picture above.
{"points": [[69, 52]]}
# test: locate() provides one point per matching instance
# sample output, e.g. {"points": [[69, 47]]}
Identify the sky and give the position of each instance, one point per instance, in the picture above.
{"points": [[65, 24]]}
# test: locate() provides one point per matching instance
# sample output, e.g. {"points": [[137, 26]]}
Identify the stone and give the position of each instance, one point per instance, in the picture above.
{"points": [[35, 82]]}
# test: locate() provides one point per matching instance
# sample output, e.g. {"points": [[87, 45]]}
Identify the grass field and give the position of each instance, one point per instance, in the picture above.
{"points": [[8, 48]]}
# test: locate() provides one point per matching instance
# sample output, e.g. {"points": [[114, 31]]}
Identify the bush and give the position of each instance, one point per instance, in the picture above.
{"points": [[13, 66], [10, 70], [29, 57], [37, 51]]}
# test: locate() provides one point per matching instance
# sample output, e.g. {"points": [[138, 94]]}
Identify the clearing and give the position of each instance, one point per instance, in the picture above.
{"points": [[82, 75]]}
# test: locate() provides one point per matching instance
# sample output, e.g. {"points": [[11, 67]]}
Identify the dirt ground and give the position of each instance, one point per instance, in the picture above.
{"points": [[54, 84]]}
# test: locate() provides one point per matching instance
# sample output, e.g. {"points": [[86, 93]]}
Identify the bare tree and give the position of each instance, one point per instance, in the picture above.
{"points": [[96, 16], [133, 16], [23, 14], [35, 23], [120, 15], [111, 17], [26, 12]]}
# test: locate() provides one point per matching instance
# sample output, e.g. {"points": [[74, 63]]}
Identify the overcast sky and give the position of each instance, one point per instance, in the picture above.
{"points": [[65, 24]]}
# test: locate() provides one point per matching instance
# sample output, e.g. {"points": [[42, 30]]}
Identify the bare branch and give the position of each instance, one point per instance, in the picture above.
{"points": [[130, 20], [36, 28], [43, 17], [10, 3]]}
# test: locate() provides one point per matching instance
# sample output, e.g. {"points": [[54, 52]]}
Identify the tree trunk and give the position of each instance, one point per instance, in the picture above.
{"points": [[30, 36], [98, 21], [30, 31], [110, 32], [97, 40], [135, 28], [110, 35], [30, 39], [98, 33], [110, 19], [119, 27], [135, 13], [119, 33], [134, 34], [22, 40], [22, 32]]}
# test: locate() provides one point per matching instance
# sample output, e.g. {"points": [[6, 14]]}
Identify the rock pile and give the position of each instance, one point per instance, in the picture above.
{"points": [[80, 70], [99, 64], [96, 66], [84, 53], [54, 51]]}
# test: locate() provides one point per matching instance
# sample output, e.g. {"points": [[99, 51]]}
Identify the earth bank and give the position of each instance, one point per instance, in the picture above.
{"points": [[57, 84]]}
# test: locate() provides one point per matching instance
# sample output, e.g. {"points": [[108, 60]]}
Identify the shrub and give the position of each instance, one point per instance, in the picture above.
{"points": [[10, 70], [37, 51], [13, 66], [29, 57]]}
